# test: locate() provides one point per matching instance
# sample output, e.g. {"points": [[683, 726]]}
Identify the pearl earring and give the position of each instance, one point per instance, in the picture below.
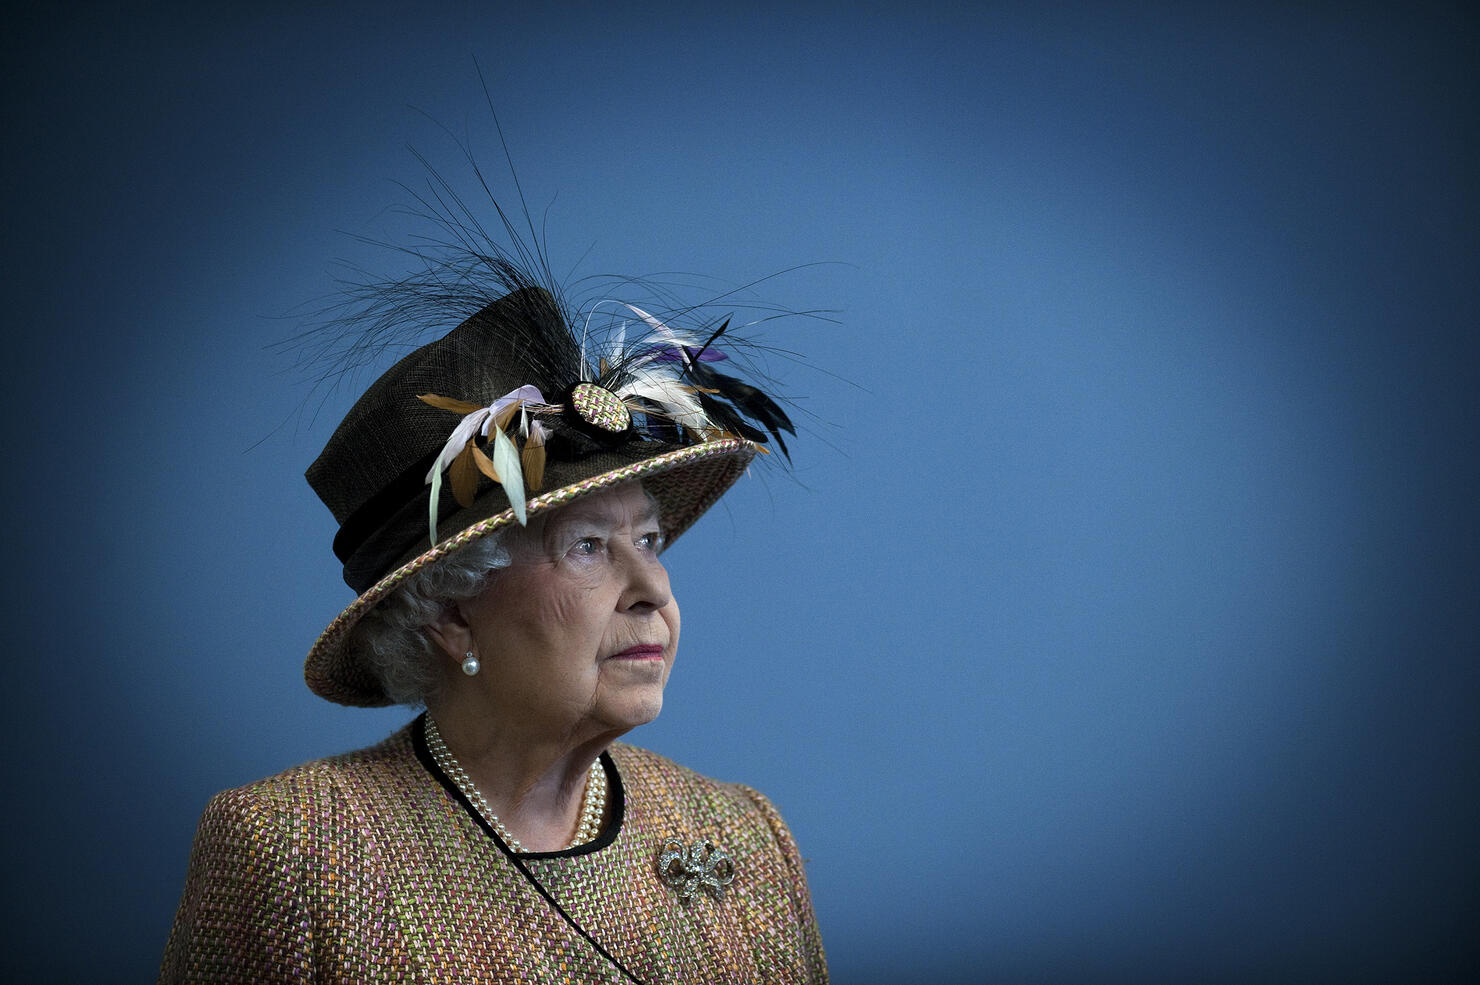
{"points": [[470, 664]]}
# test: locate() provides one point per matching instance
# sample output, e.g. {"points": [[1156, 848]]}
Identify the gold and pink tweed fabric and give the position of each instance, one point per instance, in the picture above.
{"points": [[364, 868]]}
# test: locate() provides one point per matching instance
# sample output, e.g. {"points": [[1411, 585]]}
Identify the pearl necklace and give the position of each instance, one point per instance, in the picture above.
{"points": [[593, 803]]}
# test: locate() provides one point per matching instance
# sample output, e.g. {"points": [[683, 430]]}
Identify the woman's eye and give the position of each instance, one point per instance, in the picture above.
{"points": [[651, 541], [586, 546]]}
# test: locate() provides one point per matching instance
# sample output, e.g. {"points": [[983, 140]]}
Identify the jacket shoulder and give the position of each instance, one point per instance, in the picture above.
{"points": [[652, 774], [363, 772], [259, 850]]}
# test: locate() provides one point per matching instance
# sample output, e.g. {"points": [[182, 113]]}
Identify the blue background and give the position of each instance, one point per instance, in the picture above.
{"points": [[1119, 622]]}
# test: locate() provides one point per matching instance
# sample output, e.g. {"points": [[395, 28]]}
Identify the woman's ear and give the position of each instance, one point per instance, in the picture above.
{"points": [[450, 631]]}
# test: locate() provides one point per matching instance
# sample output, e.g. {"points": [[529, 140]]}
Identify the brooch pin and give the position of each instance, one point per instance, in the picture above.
{"points": [[701, 864]]}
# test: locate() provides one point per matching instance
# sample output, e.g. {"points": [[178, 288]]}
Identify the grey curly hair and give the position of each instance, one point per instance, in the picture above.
{"points": [[392, 637]]}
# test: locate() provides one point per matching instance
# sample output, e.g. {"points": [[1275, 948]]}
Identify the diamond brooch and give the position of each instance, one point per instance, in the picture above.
{"points": [[700, 865]]}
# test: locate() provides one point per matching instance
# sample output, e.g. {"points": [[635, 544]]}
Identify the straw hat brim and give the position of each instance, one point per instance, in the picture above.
{"points": [[686, 481]]}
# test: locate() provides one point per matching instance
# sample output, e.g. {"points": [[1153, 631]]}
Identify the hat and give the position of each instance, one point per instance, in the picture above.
{"points": [[511, 415]]}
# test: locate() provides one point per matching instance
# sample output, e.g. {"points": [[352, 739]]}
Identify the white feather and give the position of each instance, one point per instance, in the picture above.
{"points": [[619, 344], [662, 331], [671, 394]]}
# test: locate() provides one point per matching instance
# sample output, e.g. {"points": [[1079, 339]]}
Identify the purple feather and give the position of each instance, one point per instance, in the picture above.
{"points": [[671, 354]]}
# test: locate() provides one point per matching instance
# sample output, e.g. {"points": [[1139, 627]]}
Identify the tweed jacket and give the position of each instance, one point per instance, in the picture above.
{"points": [[372, 867]]}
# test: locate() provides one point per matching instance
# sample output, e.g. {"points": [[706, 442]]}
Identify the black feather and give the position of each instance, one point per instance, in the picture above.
{"points": [[727, 417], [749, 399]]}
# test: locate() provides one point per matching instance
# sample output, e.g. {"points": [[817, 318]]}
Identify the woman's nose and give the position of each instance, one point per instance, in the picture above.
{"points": [[647, 583]]}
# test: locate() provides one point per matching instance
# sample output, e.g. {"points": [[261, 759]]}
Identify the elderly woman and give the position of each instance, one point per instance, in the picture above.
{"points": [[504, 495]]}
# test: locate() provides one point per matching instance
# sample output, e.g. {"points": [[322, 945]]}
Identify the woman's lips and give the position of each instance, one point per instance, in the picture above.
{"points": [[644, 651]]}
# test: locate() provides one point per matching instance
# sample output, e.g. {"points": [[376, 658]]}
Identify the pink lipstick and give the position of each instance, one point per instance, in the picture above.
{"points": [[643, 651]]}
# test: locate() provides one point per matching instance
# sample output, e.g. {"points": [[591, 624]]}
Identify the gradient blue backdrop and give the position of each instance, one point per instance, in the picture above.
{"points": [[1120, 624]]}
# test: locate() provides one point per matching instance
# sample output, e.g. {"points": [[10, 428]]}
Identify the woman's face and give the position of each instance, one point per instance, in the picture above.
{"points": [[581, 629]]}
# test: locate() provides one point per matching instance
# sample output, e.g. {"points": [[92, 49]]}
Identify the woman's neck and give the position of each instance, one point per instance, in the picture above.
{"points": [[533, 782]]}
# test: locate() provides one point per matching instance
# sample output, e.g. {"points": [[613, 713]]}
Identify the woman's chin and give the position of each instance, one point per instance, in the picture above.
{"points": [[629, 710]]}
